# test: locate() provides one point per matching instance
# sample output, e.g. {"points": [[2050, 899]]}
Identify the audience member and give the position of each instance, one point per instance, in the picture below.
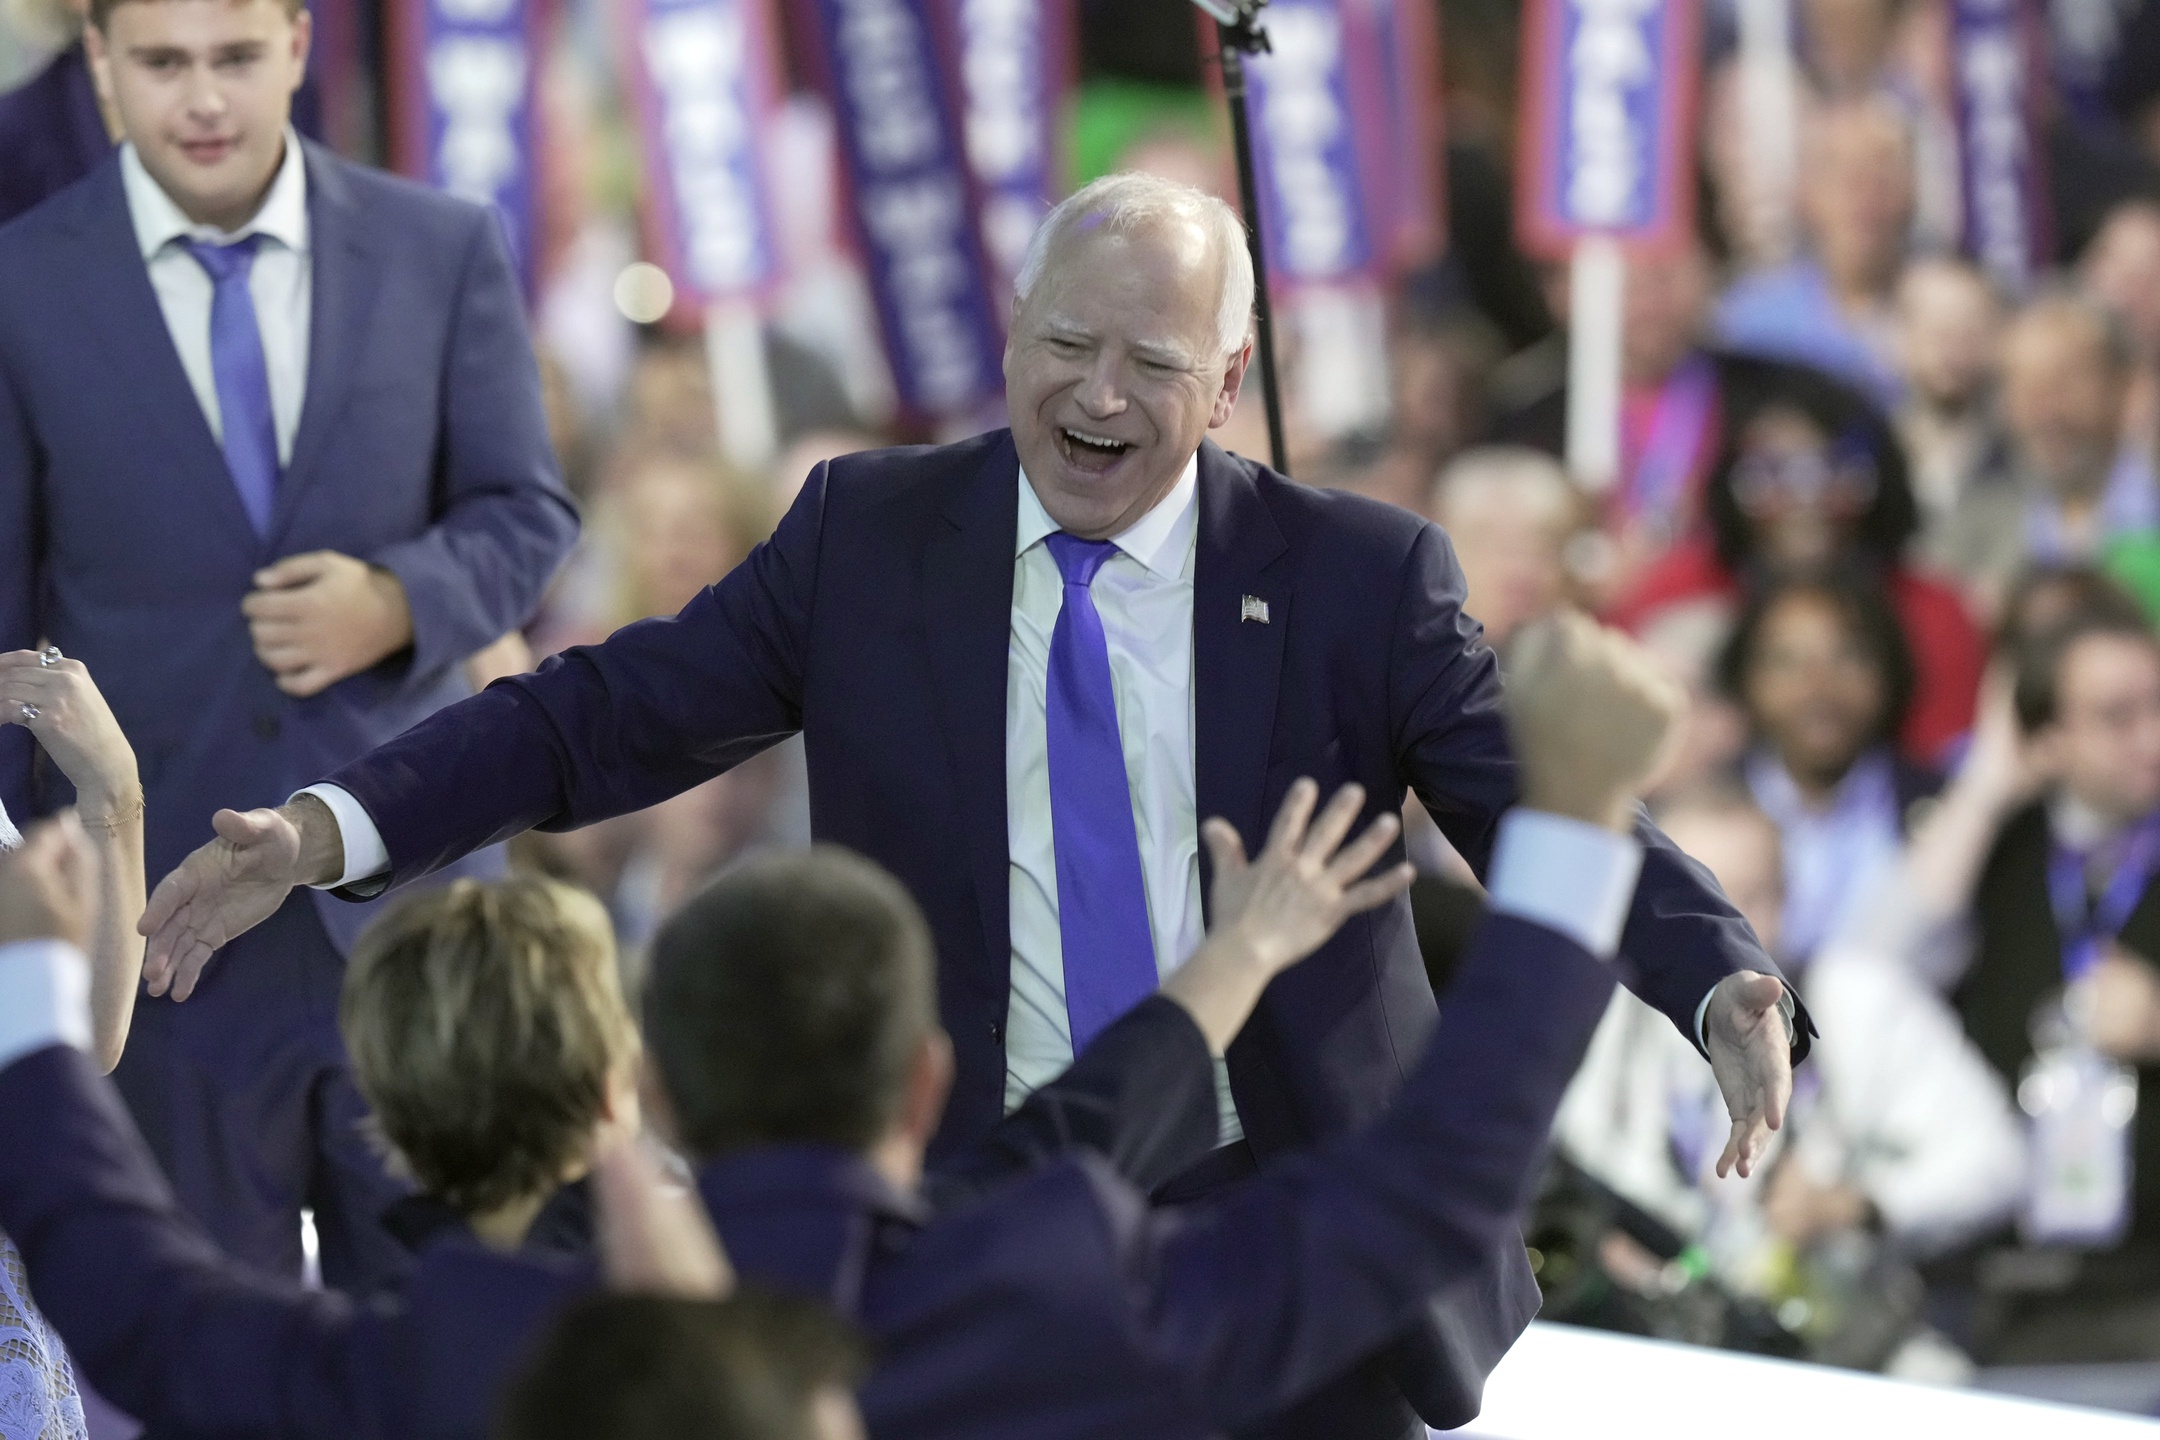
{"points": [[1947, 320], [53, 130], [275, 465], [91, 858], [488, 1034], [2121, 269], [792, 1017], [1822, 671], [1814, 482], [1901, 1132], [1831, 307], [1511, 514], [1686, 641], [754, 1366], [2072, 491], [2028, 894]]}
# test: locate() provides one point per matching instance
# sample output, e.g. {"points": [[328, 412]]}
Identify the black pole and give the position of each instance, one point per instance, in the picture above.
{"points": [[1237, 40]]}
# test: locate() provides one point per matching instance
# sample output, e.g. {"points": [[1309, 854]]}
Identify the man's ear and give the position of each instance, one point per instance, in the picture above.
{"points": [[303, 41], [929, 1082], [1233, 380]]}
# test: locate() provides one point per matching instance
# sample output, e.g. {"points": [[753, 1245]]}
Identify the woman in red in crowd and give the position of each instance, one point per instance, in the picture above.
{"points": [[1812, 483]]}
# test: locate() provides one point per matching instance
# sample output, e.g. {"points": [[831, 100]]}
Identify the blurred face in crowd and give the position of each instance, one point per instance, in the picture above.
{"points": [[1801, 494], [1856, 193], [2105, 740], [1116, 370], [1511, 539], [1684, 640], [678, 534], [1812, 688], [1740, 846], [1668, 298], [1947, 324], [2062, 397], [203, 88], [2122, 270], [1846, 42]]}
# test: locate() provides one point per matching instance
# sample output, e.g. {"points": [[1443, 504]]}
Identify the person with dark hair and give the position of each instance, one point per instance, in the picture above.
{"points": [[2030, 895], [753, 1366], [1822, 671], [791, 1014], [1815, 482]]}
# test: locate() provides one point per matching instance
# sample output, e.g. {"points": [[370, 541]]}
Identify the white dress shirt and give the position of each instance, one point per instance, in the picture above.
{"points": [[279, 281], [1144, 594]]}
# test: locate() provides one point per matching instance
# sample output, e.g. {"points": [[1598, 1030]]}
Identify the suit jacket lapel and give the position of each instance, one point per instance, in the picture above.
{"points": [[142, 363], [967, 582], [1237, 662], [343, 265]]}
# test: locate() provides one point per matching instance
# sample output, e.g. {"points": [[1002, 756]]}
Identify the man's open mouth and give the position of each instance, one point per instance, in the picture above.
{"points": [[1088, 451]]}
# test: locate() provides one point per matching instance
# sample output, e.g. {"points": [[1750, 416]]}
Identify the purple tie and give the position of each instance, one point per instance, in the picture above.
{"points": [[241, 376], [1102, 899]]}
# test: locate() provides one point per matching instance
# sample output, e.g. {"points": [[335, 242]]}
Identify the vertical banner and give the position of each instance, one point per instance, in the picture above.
{"points": [[1608, 104], [914, 202], [1017, 65], [463, 112], [702, 77], [1393, 60], [1316, 214], [1997, 60], [1607, 159]]}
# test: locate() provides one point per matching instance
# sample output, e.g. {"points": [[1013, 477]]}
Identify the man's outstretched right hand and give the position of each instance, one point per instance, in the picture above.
{"points": [[233, 884]]}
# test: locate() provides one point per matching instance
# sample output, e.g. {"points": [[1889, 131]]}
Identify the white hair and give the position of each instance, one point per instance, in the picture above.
{"points": [[9, 836], [1130, 201]]}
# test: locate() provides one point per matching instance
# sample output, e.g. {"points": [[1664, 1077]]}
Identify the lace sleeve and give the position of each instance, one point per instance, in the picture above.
{"points": [[37, 1386]]}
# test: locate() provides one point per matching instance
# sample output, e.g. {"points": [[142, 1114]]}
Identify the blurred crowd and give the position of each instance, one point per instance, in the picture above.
{"points": [[1895, 528]]}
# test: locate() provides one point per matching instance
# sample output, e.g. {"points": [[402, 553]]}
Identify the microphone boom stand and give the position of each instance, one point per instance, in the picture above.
{"points": [[1240, 35]]}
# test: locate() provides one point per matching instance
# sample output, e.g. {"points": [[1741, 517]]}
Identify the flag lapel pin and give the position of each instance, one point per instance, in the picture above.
{"points": [[1252, 607]]}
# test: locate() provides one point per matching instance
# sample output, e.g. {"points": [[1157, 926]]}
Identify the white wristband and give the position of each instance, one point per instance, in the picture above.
{"points": [[1567, 875], [44, 998]]}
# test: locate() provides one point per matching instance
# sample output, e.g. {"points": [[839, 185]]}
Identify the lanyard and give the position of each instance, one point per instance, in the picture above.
{"points": [[2085, 923], [1663, 478]]}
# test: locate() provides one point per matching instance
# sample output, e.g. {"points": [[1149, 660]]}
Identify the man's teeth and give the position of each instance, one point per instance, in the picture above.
{"points": [[1098, 442]]}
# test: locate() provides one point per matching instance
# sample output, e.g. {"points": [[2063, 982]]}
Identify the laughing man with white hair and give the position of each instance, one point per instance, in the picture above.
{"points": [[1026, 667]]}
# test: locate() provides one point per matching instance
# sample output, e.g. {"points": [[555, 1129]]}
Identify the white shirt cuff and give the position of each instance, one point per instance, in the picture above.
{"points": [[365, 853], [44, 998], [1567, 875], [1702, 1019]]}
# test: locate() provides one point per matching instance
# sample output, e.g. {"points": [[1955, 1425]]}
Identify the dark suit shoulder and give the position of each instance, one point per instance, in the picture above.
{"points": [[1314, 516], [390, 203], [877, 483], [41, 230]]}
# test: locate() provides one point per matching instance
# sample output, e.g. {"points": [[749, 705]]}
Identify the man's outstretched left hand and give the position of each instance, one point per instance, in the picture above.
{"points": [[1751, 1054]]}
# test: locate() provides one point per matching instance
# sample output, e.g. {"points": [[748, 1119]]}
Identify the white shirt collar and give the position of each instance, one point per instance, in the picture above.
{"points": [[1159, 540], [159, 222]]}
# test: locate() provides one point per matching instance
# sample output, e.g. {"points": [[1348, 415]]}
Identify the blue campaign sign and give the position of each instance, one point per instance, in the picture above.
{"points": [[703, 77], [1312, 202], [1608, 96], [1999, 84], [914, 199], [467, 121]]}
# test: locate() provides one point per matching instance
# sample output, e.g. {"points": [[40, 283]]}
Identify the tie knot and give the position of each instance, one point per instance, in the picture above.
{"points": [[224, 262], [1078, 559]]}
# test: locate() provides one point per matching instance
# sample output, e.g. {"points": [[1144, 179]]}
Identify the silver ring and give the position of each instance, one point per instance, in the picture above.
{"points": [[29, 712], [48, 657]]}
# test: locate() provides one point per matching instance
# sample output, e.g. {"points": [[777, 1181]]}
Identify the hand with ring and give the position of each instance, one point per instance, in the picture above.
{"points": [[54, 699]]}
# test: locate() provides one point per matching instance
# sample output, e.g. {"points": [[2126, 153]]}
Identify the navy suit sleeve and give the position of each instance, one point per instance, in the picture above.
{"points": [[503, 520], [1141, 1095], [19, 572], [1324, 1257], [605, 729], [1683, 936], [161, 1323]]}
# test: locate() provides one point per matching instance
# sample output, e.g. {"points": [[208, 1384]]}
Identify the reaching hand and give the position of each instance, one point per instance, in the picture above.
{"points": [[319, 617], [48, 887], [222, 891], [75, 726], [654, 1234], [1305, 883], [1590, 716], [1751, 1055]]}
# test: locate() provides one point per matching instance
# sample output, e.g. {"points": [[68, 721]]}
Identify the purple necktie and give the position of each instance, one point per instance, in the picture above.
{"points": [[1102, 899], [241, 376]]}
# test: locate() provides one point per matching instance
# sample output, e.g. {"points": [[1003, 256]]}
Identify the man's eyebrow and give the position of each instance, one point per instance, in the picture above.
{"points": [[1066, 325], [1164, 352], [152, 53], [237, 49]]}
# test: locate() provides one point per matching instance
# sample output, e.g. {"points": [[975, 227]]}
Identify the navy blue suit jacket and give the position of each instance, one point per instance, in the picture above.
{"points": [[876, 621], [194, 1344], [1063, 1306], [51, 133], [421, 448]]}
